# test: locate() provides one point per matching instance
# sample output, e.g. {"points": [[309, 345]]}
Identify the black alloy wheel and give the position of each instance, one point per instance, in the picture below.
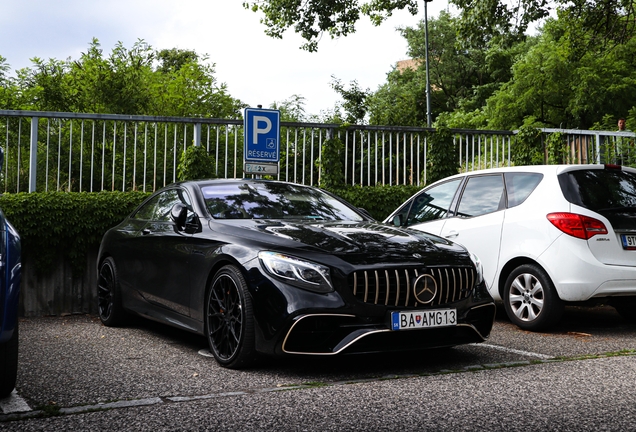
{"points": [[109, 307], [530, 299], [229, 319]]}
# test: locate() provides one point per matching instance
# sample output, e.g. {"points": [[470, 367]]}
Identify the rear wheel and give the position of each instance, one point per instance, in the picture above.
{"points": [[530, 299], [109, 307], [9, 364], [229, 321]]}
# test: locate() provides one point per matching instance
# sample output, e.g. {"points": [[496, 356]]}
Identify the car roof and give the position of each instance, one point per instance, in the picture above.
{"points": [[544, 169]]}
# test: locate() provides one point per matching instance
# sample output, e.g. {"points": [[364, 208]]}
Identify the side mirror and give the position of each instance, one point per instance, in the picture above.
{"points": [[398, 220], [179, 215]]}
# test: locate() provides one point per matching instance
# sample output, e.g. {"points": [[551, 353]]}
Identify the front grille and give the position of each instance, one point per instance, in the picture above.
{"points": [[396, 287]]}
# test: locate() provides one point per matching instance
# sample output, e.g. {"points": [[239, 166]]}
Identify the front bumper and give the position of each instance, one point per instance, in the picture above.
{"points": [[330, 334]]}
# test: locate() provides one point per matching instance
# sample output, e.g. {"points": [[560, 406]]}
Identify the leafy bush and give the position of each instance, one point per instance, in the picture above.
{"points": [[527, 148], [332, 163], [443, 155], [379, 200], [65, 224], [195, 164]]}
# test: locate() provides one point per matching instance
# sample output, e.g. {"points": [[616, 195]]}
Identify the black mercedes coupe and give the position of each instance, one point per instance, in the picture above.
{"points": [[275, 268]]}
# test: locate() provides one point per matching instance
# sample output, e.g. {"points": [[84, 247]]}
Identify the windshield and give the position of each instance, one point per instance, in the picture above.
{"points": [[247, 200]]}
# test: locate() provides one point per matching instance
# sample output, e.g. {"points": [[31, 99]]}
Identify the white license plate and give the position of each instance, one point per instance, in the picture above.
{"points": [[629, 241], [423, 319]]}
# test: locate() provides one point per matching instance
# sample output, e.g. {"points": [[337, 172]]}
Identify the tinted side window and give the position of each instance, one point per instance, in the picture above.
{"points": [[483, 194], [148, 210], [433, 203], [519, 186], [158, 208]]}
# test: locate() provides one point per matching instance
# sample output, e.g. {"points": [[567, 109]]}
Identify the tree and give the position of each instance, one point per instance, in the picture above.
{"points": [[313, 18], [132, 81], [291, 109], [7, 87], [570, 78], [401, 101], [354, 100], [172, 60], [462, 78]]}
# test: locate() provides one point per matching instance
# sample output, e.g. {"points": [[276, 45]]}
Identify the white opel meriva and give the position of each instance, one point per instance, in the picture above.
{"points": [[545, 234]]}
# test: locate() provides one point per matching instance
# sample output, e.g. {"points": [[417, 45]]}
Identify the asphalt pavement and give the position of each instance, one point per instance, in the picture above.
{"points": [[75, 374]]}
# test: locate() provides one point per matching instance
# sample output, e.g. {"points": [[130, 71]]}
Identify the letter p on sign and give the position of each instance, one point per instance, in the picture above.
{"points": [[262, 125]]}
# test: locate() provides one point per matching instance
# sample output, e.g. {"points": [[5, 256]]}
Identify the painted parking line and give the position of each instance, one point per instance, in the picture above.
{"points": [[13, 404], [516, 351]]}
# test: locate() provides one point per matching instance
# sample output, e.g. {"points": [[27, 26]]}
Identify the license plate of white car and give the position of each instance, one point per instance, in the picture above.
{"points": [[629, 241], [423, 319]]}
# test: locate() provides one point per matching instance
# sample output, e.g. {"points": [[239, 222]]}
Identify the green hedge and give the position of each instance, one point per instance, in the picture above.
{"points": [[69, 224], [65, 224], [379, 200]]}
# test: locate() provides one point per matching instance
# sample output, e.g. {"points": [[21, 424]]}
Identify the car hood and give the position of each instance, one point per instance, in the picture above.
{"points": [[354, 242]]}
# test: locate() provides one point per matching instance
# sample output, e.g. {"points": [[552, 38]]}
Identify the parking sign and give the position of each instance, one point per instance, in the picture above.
{"points": [[262, 135]]}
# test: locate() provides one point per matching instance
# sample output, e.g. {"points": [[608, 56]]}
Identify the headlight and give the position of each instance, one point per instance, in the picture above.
{"points": [[478, 268], [297, 272]]}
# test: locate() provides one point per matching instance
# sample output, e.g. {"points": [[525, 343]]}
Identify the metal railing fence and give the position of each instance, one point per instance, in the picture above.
{"points": [[570, 146], [52, 151]]}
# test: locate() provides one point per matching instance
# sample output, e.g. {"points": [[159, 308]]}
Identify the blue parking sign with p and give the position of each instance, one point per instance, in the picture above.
{"points": [[262, 135]]}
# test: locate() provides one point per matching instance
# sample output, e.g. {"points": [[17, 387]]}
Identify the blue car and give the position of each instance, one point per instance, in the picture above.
{"points": [[10, 275]]}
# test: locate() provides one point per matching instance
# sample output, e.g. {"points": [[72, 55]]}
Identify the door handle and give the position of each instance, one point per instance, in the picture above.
{"points": [[451, 234]]}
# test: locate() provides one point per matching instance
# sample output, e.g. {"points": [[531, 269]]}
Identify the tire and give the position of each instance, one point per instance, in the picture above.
{"points": [[9, 364], [229, 319], [626, 307], [109, 307], [530, 299]]}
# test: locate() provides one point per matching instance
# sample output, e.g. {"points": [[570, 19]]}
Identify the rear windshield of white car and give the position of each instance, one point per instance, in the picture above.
{"points": [[599, 190]]}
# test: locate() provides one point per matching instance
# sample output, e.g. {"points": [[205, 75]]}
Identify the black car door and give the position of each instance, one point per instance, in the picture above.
{"points": [[162, 252]]}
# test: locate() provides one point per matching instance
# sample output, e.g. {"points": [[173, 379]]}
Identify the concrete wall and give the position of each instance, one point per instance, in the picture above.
{"points": [[61, 293]]}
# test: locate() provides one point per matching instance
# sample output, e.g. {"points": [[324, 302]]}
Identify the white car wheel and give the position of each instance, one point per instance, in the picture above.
{"points": [[530, 299]]}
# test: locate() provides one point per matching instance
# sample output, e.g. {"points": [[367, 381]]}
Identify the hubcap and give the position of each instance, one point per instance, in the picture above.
{"points": [[526, 297]]}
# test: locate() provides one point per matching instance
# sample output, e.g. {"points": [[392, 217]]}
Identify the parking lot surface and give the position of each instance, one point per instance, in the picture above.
{"points": [[76, 373]]}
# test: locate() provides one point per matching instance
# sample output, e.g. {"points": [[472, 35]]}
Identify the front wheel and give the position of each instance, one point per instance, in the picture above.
{"points": [[9, 364], [530, 299], [229, 321]]}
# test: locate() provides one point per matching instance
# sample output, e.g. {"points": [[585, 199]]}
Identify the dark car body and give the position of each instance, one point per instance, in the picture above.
{"points": [[10, 276], [280, 268]]}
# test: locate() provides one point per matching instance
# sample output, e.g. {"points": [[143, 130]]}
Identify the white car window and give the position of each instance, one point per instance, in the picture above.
{"points": [[519, 186], [482, 195], [433, 203]]}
